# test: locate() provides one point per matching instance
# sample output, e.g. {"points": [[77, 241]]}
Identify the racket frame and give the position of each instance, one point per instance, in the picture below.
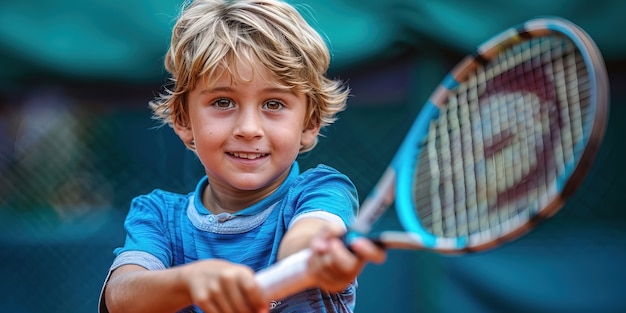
{"points": [[403, 163]]}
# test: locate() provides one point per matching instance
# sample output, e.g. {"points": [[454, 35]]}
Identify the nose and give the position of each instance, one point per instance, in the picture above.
{"points": [[249, 123]]}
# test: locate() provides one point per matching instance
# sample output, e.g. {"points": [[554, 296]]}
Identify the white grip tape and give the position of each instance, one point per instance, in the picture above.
{"points": [[288, 276]]}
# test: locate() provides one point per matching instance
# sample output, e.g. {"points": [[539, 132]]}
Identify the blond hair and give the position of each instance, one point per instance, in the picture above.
{"points": [[211, 35]]}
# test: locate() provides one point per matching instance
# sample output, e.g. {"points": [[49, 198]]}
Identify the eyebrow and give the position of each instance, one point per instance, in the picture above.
{"points": [[229, 89]]}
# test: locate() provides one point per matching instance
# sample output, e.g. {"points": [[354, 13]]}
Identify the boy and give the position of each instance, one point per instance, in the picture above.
{"points": [[249, 95]]}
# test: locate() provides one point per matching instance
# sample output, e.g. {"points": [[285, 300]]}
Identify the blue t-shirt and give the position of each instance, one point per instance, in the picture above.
{"points": [[166, 229]]}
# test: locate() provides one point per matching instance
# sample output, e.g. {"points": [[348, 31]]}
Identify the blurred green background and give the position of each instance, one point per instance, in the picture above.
{"points": [[77, 143]]}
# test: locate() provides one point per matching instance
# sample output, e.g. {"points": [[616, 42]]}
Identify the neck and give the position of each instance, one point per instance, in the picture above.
{"points": [[219, 198], [220, 204]]}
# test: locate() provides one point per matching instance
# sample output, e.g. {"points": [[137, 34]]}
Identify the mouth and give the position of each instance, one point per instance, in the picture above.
{"points": [[248, 156]]}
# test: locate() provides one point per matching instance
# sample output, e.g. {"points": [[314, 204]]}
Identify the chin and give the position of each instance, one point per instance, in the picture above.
{"points": [[250, 184]]}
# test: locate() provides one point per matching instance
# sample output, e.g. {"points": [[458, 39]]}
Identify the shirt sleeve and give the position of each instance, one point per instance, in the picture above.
{"points": [[147, 232], [327, 216], [325, 190]]}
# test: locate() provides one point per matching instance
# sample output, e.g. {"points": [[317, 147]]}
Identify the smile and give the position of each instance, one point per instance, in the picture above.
{"points": [[249, 156]]}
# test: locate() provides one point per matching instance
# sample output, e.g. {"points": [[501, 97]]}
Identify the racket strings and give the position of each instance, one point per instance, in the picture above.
{"points": [[502, 139]]}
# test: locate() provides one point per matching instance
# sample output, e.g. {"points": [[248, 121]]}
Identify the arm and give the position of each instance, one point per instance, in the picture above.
{"points": [[213, 285], [302, 232], [333, 265]]}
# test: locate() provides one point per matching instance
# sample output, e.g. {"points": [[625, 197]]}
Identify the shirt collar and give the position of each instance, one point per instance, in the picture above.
{"points": [[255, 208]]}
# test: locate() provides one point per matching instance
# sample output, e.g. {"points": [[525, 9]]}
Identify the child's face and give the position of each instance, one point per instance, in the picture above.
{"points": [[247, 130]]}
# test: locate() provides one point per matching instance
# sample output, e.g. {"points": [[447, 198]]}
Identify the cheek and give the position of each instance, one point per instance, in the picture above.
{"points": [[286, 138], [209, 135]]}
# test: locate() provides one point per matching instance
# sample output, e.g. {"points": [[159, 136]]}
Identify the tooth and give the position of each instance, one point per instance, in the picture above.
{"points": [[249, 156]]}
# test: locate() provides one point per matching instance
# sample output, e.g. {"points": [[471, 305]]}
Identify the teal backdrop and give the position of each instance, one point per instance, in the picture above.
{"points": [[77, 143]]}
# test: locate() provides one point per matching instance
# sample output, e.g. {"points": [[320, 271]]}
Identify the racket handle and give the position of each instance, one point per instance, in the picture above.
{"points": [[288, 276]]}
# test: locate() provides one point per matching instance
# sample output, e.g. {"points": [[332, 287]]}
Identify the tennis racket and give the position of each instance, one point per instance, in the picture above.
{"points": [[500, 145]]}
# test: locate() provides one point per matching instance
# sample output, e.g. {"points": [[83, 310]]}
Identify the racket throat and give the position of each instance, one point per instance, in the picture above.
{"points": [[379, 200]]}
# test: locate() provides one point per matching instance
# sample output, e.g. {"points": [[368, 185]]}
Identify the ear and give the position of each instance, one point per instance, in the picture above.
{"points": [[185, 133], [309, 134]]}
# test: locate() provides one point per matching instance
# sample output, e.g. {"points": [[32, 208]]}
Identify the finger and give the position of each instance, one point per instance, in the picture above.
{"points": [[205, 299], [235, 298], [335, 279], [209, 307], [221, 301], [319, 245], [367, 250], [338, 263], [251, 295], [202, 296], [242, 293]]}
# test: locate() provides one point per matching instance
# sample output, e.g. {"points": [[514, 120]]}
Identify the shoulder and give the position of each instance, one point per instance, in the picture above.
{"points": [[323, 168], [158, 202], [324, 188], [326, 179], [322, 172], [162, 196]]}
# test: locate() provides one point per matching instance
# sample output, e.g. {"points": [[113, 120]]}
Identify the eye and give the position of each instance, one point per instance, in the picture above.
{"points": [[223, 103], [273, 105]]}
